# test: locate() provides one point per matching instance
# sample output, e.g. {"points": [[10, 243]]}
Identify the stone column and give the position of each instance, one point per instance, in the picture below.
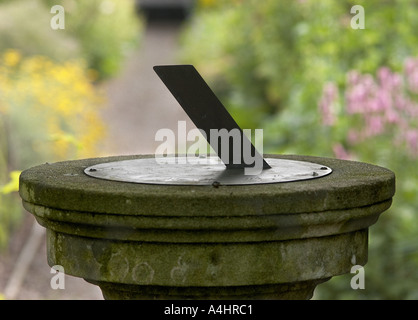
{"points": [[269, 241]]}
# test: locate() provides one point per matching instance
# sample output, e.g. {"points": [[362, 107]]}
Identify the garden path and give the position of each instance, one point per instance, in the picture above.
{"points": [[138, 105]]}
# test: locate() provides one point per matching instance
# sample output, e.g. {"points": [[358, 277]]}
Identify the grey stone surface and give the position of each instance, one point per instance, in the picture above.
{"points": [[64, 185], [164, 241]]}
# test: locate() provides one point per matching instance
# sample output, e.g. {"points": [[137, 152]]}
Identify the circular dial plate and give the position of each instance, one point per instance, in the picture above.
{"points": [[203, 171]]}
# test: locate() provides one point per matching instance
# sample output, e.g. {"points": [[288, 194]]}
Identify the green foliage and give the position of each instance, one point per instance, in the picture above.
{"points": [[275, 65], [100, 31], [104, 29], [48, 112], [48, 105], [25, 25]]}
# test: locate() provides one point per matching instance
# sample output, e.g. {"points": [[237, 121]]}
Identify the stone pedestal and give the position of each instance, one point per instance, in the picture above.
{"points": [[270, 241]]}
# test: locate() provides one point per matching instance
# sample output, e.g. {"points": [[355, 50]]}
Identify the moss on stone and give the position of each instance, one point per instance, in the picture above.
{"points": [[64, 185], [158, 241]]}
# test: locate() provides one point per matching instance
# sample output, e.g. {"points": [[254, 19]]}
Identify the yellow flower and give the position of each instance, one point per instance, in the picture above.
{"points": [[13, 184], [11, 57], [207, 3], [60, 103]]}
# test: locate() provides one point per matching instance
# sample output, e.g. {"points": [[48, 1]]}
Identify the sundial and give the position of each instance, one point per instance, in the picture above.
{"points": [[207, 227], [231, 166]]}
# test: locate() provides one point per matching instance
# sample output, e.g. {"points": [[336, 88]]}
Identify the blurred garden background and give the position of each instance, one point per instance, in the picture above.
{"points": [[295, 68]]}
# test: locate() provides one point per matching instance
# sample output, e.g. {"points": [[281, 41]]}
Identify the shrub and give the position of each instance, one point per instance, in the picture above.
{"points": [[316, 86], [99, 31], [48, 112]]}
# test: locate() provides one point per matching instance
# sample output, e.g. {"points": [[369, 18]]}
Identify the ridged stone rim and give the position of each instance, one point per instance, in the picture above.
{"points": [[64, 185]]}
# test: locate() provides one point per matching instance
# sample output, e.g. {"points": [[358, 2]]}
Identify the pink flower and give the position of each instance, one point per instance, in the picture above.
{"points": [[340, 152], [411, 72], [374, 125], [391, 116], [385, 105], [389, 80], [383, 100], [353, 77], [384, 75], [327, 104], [411, 139], [353, 136], [360, 94], [356, 98]]}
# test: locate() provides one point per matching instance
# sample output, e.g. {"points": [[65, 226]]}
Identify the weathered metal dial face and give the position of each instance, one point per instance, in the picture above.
{"points": [[203, 171]]}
